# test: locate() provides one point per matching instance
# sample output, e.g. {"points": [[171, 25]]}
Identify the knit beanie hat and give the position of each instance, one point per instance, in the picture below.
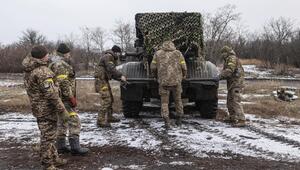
{"points": [[39, 51], [116, 49], [63, 48]]}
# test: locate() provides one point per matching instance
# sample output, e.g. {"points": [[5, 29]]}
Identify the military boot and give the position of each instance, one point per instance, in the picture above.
{"points": [[103, 121], [239, 123], [229, 119], [167, 123], [61, 145], [111, 118], [76, 149], [60, 162], [178, 121]]}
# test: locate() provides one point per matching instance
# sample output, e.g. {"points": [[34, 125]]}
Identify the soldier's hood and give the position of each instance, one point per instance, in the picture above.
{"points": [[168, 46], [230, 53], [29, 63], [111, 53]]}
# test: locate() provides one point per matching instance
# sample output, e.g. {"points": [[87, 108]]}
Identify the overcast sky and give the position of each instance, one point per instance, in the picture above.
{"points": [[56, 18]]}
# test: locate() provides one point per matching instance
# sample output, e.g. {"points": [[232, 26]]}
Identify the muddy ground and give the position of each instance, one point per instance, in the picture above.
{"points": [[120, 157], [272, 143]]}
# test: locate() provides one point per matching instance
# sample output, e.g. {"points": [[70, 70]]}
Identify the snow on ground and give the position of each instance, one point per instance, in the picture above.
{"points": [[253, 70], [201, 138], [10, 83]]}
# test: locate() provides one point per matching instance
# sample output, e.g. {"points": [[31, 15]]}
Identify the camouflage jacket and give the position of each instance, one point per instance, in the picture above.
{"points": [[233, 72], [168, 65], [106, 69], [64, 77], [42, 92]]}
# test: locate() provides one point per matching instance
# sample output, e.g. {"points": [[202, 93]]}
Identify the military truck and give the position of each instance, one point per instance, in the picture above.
{"points": [[185, 30]]}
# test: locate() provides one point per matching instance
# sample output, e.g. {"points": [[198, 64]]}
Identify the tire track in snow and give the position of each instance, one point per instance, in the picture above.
{"points": [[241, 140]]}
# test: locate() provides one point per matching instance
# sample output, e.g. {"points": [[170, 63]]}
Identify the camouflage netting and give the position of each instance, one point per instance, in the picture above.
{"points": [[184, 29]]}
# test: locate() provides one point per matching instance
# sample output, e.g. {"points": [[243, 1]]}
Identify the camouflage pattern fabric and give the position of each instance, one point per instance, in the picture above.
{"points": [[64, 77], [169, 65], [65, 80], [233, 72], [73, 124], [184, 29], [45, 104], [105, 71], [235, 108], [164, 96]]}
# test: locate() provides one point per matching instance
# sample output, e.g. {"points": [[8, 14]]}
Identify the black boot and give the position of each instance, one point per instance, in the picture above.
{"points": [[76, 149], [178, 121], [167, 123], [61, 145]]}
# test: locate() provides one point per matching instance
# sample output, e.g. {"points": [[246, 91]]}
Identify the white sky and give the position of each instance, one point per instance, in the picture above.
{"points": [[56, 18]]}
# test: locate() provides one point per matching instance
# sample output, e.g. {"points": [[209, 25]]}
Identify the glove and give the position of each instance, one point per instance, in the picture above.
{"points": [[73, 101], [65, 116], [123, 78], [217, 78]]}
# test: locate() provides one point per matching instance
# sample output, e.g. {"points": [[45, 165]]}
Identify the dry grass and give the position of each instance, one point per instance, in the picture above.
{"points": [[272, 108], [13, 99], [261, 87], [16, 99], [252, 62], [89, 100]]}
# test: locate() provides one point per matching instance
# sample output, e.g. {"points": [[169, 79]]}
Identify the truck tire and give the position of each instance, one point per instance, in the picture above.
{"points": [[207, 108], [131, 109]]}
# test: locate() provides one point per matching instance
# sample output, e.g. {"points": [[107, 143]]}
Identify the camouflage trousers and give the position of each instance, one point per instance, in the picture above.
{"points": [[106, 99], [48, 126], [164, 92], [235, 108], [73, 125]]}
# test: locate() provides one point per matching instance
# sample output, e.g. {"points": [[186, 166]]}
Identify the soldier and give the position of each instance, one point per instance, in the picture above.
{"points": [[45, 104], [105, 71], [65, 80], [169, 66], [233, 72]]}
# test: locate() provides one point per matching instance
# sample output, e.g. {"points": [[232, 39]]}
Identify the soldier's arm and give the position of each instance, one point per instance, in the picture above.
{"points": [[183, 65], [97, 79], [229, 68], [49, 91], [62, 79], [111, 67], [153, 65]]}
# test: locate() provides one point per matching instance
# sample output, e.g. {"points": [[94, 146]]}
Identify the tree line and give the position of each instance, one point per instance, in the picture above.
{"points": [[277, 43]]}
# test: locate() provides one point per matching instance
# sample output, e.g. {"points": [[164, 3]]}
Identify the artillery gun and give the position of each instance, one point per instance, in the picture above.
{"points": [[185, 30]]}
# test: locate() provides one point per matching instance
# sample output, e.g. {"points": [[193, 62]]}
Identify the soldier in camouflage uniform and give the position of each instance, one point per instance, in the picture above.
{"points": [[233, 72], [65, 80], [45, 104], [169, 66], [105, 71]]}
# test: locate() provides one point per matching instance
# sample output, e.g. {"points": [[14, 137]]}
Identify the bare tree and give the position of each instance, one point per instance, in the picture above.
{"points": [[71, 39], [30, 38], [280, 30], [98, 38], [277, 33], [123, 35], [87, 44], [219, 28]]}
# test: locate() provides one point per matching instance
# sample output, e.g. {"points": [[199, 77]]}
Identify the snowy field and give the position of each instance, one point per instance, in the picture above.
{"points": [[272, 139]]}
